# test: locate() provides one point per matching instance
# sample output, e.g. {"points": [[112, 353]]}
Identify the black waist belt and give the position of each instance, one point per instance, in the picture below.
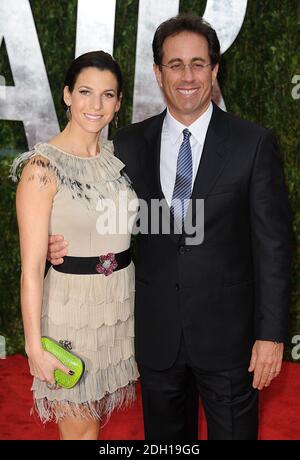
{"points": [[104, 264]]}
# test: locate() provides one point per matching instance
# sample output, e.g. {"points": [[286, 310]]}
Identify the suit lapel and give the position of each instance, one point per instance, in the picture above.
{"points": [[214, 156], [151, 160], [151, 164]]}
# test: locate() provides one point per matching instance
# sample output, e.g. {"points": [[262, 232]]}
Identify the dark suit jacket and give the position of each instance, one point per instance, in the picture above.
{"points": [[234, 287]]}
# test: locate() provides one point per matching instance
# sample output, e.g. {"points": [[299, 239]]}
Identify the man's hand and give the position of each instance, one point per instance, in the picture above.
{"points": [[266, 362], [57, 249]]}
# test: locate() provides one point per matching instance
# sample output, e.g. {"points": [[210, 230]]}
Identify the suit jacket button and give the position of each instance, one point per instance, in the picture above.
{"points": [[177, 287], [181, 250]]}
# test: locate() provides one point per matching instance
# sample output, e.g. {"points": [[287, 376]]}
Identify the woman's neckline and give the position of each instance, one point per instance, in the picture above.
{"points": [[72, 155]]}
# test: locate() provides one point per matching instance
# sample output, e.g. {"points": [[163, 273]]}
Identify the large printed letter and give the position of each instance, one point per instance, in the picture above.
{"points": [[147, 99], [226, 18], [30, 100], [95, 28]]}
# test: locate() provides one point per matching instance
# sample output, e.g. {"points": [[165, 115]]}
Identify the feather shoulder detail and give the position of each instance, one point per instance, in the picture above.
{"points": [[82, 175]]}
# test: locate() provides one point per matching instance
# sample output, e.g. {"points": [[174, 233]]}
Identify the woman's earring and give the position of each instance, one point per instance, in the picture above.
{"points": [[68, 113], [116, 120]]}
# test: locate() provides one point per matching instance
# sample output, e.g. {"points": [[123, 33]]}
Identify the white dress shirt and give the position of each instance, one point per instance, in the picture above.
{"points": [[171, 140]]}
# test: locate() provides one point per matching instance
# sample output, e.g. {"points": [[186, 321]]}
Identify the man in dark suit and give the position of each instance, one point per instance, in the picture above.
{"points": [[216, 311]]}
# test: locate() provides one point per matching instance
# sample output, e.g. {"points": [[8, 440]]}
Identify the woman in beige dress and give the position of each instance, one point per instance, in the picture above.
{"points": [[65, 188]]}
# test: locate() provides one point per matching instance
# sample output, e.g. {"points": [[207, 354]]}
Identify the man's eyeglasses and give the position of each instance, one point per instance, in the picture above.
{"points": [[196, 67]]}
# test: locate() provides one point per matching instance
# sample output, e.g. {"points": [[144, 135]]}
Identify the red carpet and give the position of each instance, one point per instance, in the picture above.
{"points": [[279, 408]]}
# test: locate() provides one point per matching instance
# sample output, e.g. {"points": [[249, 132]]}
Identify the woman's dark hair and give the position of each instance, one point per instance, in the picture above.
{"points": [[98, 59], [186, 23]]}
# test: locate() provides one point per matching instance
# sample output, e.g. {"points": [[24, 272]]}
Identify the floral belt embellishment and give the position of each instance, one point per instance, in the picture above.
{"points": [[107, 264]]}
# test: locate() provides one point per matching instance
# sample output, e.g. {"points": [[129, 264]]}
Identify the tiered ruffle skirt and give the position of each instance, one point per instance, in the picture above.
{"points": [[95, 313]]}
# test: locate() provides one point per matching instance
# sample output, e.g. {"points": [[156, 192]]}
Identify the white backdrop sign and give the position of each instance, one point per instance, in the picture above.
{"points": [[30, 99]]}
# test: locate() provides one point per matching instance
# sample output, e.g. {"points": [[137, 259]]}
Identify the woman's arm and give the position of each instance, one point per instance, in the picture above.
{"points": [[35, 193]]}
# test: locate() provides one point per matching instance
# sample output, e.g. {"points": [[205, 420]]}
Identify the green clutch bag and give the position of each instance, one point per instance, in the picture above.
{"points": [[61, 351]]}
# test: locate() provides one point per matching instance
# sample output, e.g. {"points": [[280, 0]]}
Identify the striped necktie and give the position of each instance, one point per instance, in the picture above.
{"points": [[183, 182]]}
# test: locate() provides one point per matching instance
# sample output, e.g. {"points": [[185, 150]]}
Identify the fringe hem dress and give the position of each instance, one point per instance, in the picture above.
{"points": [[94, 312]]}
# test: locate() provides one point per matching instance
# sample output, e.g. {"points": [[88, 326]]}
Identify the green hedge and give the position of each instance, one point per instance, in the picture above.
{"points": [[255, 77]]}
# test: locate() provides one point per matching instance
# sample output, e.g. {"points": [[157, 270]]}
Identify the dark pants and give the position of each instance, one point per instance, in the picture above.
{"points": [[230, 403]]}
